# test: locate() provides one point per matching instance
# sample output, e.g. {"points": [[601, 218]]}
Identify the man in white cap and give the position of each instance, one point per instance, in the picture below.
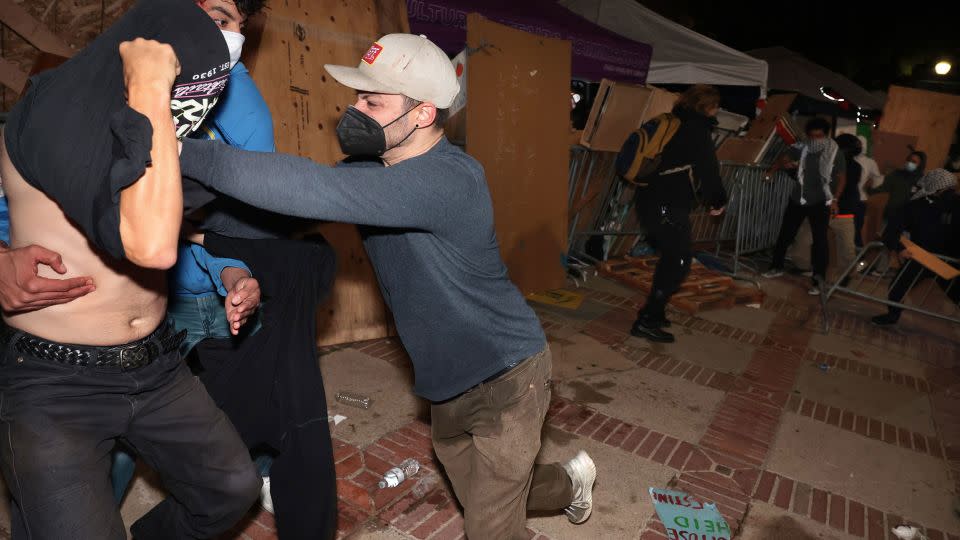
{"points": [[478, 350]]}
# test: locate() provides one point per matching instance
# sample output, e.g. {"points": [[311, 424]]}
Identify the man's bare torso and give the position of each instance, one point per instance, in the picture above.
{"points": [[129, 302]]}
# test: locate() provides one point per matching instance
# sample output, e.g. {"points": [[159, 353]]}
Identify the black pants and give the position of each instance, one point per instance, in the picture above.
{"points": [[913, 273], [270, 385], [59, 424], [819, 217], [668, 230], [859, 214]]}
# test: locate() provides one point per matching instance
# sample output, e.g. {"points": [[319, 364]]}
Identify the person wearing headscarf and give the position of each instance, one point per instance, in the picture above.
{"points": [[929, 218], [820, 173]]}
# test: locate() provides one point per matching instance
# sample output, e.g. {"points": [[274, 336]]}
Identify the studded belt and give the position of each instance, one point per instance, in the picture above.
{"points": [[125, 357]]}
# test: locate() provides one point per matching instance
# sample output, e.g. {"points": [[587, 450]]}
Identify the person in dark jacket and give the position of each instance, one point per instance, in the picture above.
{"points": [[689, 169], [900, 186], [929, 217]]}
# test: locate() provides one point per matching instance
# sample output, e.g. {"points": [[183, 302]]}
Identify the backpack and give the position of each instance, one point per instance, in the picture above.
{"points": [[642, 152]]}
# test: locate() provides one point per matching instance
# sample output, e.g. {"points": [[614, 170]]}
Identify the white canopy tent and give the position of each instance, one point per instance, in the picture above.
{"points": [[680, 55]]}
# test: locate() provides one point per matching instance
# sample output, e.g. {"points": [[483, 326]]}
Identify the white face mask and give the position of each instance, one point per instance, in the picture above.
{"points": [[234, 44]]}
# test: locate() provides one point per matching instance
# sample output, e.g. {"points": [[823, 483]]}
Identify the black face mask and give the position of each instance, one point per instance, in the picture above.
{"points": [[361, 135]]}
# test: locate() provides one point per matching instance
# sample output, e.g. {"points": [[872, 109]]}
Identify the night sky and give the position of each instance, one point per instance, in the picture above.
{"points": [[873, 45]]}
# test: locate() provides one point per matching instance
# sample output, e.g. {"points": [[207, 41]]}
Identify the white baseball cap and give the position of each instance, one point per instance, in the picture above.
{"points": [[403, 64]]}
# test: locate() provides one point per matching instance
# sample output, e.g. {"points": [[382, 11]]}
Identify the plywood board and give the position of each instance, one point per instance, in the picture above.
{"points": [[890, 150], [518, 116], [660, 102], [286, 49], [776, 106], [740, 149], [930, 116], [618, 110], [929, 260]]}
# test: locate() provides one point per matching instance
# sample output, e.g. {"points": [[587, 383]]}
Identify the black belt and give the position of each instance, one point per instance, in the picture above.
{"points": [[125, 357]]}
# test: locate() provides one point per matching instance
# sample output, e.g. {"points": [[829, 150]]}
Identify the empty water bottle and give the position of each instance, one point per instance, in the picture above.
{"points": [[396, 475], [354, 400]]}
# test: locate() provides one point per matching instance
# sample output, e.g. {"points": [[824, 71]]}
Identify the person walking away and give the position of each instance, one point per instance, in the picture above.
{"points": [[689, 169]]}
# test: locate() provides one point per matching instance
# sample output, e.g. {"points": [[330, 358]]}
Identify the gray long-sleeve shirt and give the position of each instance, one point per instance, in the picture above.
{"points": [[428, 229]]}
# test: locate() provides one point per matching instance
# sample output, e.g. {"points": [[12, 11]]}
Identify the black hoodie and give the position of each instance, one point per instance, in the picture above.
{"points": [[691, 145], [72, 134]]}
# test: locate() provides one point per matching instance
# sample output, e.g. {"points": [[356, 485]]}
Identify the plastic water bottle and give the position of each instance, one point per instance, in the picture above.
{"points": [[396, 475]]}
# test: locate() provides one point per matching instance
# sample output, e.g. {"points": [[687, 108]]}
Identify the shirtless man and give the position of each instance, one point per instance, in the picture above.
{"points": [[75, 377]]}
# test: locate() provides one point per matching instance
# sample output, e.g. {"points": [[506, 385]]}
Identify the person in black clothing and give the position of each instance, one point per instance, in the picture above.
{"points": [[900, 184], [930, 217], [689, 168], [849, 206]]}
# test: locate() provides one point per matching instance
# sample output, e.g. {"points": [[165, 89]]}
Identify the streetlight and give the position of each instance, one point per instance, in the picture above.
{"points": [[942, 68]]}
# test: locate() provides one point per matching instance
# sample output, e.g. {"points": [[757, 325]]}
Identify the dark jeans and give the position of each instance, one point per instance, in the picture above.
{"points": [[60, 423], [668, 230], [912, 273], [819, 217], [859, 214], [487, 440]]}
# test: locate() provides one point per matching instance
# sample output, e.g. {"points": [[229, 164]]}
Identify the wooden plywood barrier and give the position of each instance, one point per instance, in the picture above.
{"points": [[517, 127], [890, 150], [618, 110], [287, 47], [932, 117]]}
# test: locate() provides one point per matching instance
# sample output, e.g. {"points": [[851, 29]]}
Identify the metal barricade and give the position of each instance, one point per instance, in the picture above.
{"points": [[755, 209], [601, 204], [912, 288]]}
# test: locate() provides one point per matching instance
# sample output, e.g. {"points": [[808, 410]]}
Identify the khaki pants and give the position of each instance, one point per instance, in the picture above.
{"points": [[487, 440], [843, 240]]}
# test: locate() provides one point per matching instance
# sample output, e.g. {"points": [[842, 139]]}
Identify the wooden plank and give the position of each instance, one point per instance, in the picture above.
{"points": [[740, 149], [931, 116], [517, 126], [287, 47], [661, 101], [618, 109], [702, 290], [890, 150], [764, 124], [29, 28], [929, 260]]}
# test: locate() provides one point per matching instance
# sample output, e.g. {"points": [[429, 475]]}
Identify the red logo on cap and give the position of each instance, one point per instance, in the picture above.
{"points": [[373, 53]]}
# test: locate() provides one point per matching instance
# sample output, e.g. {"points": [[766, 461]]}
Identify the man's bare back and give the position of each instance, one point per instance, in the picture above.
{"points": [[129, 301]]}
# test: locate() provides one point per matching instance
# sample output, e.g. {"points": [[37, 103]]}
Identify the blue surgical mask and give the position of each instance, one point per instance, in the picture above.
{"points": [[910, 166]]}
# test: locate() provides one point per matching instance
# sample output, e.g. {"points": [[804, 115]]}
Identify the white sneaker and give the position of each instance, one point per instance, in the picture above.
{"points": [[814, 291], [807, 273], [773, 273], [266, 501], [583, 473]]}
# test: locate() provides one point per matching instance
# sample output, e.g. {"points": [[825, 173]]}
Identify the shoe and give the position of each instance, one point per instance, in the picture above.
{"points": [[773, 273], [650, 330], [814, 291], [887, 319], [266, 501], [807, 273], [583, 473]]}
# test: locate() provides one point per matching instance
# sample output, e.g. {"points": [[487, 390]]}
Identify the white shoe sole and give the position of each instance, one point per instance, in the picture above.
{"points": [[583, 471], [266, 500]]}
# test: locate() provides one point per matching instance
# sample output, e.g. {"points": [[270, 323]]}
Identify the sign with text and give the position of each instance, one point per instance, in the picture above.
{"points": [[686, 518]]}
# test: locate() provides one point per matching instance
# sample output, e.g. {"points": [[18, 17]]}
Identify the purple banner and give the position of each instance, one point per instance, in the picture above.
{"points": [[597, 52]]}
